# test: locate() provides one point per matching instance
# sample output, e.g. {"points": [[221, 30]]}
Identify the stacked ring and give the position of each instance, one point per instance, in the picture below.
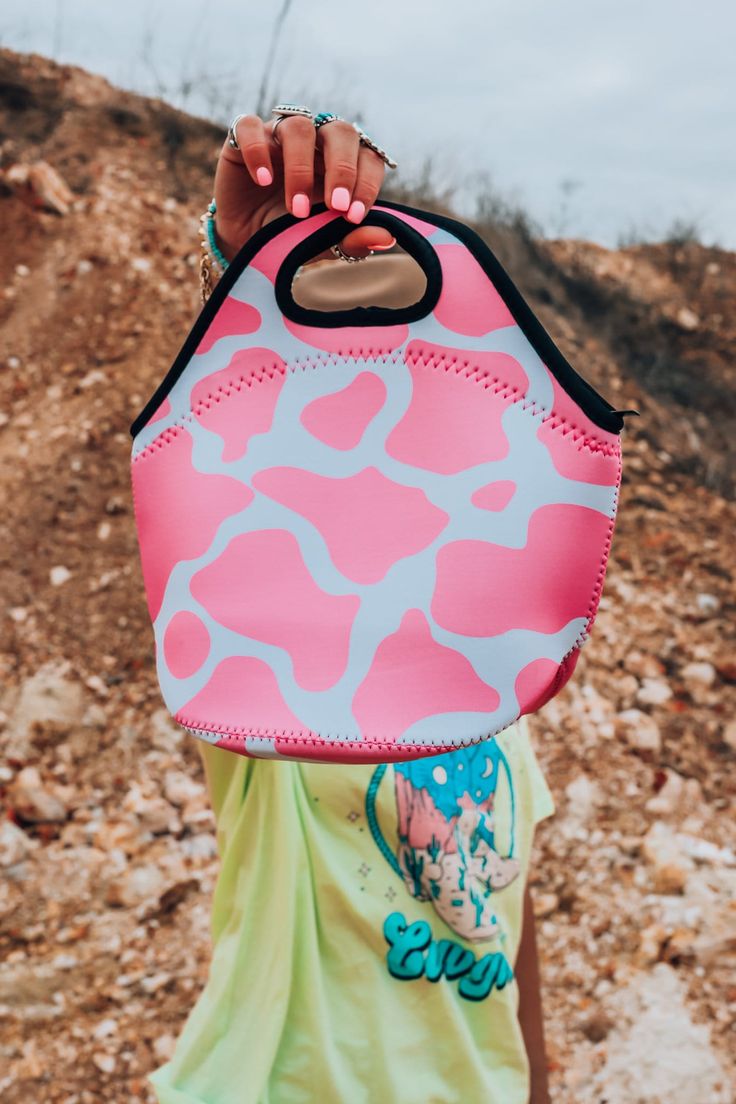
{"points": [[292, 109], [285, 110], [326, 117], [232, 141], [340, 252], [368, 141]]}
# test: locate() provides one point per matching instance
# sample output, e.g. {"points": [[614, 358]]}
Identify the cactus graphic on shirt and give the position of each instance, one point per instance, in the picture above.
{"points": [[446, 851]]}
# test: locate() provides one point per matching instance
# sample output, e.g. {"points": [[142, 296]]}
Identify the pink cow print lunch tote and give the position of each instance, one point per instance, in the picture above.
{"points": [[370, 534]]}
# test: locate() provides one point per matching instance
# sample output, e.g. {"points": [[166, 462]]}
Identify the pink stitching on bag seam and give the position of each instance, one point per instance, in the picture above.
{"points": [[435, 360], [333, 740], [607, 447]]}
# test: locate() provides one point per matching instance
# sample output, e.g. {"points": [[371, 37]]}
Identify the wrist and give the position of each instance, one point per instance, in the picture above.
{"points": [[231, 235], [229, 247]]}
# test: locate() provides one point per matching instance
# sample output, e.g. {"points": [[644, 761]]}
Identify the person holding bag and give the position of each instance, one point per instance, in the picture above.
{"points": [[355, 651]]}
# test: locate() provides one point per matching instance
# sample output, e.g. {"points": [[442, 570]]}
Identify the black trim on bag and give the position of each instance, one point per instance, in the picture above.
{"points": [[591, 402], [413, 242]]}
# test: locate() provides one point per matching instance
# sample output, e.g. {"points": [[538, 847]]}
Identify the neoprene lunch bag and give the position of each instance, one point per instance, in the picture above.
{"points": [[374, 533]]}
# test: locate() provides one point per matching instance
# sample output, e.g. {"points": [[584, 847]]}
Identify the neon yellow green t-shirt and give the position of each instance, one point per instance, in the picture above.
{"points": [[365, 925]]}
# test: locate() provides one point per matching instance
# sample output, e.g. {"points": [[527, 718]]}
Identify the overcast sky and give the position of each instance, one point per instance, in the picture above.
{"points": [[600, 118]]}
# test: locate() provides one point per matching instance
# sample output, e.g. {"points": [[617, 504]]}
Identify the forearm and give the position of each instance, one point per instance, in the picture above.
{"points": [[530, 1005]]}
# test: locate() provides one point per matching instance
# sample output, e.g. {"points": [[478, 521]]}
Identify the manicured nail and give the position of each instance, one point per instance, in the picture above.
{"points": [[379, 248], [300, 205], [263, 175], [340, 199], [356, 212]]}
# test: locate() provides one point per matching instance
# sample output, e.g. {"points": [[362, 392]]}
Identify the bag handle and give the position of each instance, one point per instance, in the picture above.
{"points": [[415, 244]]}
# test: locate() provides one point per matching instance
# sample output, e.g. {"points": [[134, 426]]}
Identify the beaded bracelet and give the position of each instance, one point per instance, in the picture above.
{"points": [[212, 259]]}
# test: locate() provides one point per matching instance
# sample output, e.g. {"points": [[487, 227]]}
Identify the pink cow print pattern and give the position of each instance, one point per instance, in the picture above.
{"points": [[369, 543]]}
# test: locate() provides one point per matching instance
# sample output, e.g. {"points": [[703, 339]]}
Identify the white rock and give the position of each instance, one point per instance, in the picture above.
{"points": [[653, 691], [583, 796], [679, 796], [639, 729], [643, 665], [47, 697], [200, 848], [104, 1062], [670, 866], [163, 1047], [197, 814], [104, 1029], [154, 982], [59, 575], [651, 941], [64, 961], [97, 684], [179, 788], [33, 800], [656, 1053], [707, 603], [135, 886], [94, 716], [704, 851], [687, 319], [165, 732], [545, 904], [698, 679], [153, 813], [15, 845]]}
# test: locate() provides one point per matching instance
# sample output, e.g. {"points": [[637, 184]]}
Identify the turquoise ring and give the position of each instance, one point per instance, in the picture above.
{"points": [[326, 117]]}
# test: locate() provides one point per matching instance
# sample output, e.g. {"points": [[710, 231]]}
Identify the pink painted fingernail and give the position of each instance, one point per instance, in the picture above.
{"points": [[263, 175], [379, 248], [340, 199], [356, 212], [300, 205]]}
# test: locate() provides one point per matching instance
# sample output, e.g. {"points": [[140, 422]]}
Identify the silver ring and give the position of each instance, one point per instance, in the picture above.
{"points": [[285, 111], [325, 117], [231, 139], [340, 252], [368, 141], [274, 135], [292, 109]]}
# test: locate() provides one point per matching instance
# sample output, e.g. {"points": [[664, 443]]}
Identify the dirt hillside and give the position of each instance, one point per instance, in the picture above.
{"points": [[107, 847]]}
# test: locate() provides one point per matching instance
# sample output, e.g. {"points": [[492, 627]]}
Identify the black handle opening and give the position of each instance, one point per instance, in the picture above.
{"points": [[415, 244]]}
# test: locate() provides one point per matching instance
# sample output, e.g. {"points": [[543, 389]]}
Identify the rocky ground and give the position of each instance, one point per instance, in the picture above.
{"points": [[107, 846]]}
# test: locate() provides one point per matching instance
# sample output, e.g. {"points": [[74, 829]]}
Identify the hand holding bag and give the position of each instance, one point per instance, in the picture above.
{"points": [[370, 534]]}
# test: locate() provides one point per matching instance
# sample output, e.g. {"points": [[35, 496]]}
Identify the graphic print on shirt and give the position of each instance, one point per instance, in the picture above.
{"points": [[446, 849]]}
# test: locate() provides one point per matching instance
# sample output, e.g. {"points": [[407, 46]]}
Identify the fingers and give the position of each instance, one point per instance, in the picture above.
{"points": [[367, 239], [250, 134], [371, 171], [339, 143], [353, 172], [296, 135]]}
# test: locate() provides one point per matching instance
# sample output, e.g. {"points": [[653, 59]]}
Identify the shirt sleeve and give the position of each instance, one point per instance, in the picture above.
{"points": [[227, 775], [542, 801]]}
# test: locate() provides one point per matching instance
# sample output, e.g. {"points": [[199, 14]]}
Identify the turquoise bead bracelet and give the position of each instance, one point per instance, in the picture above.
{"points": [[209, 221]]}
